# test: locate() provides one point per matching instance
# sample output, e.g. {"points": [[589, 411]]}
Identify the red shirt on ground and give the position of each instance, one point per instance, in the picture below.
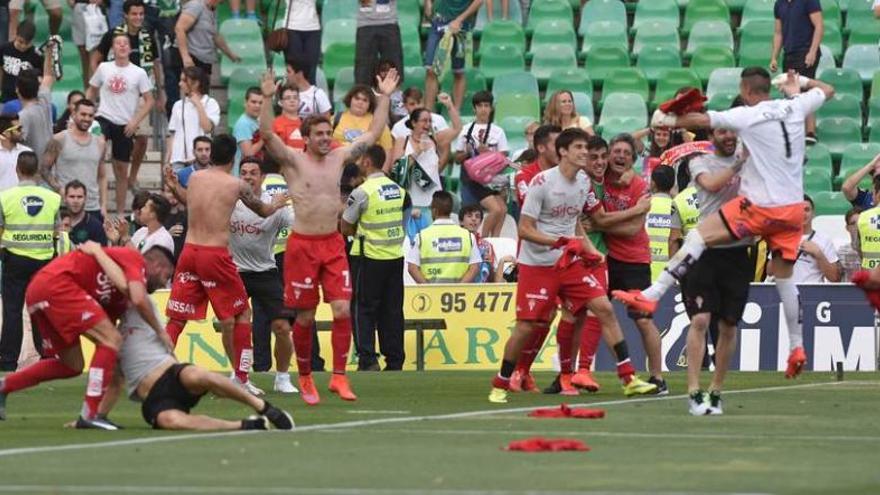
{"points": [[288, 130], [523, 178], [619, 197]]}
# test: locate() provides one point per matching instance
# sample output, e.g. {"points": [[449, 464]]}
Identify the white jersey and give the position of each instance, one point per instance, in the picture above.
{"points": [[556, 204], [252, 237], [773, 131]]}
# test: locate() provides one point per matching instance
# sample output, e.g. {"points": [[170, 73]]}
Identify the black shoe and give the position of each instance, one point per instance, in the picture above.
{"points": [[811, 139], [279, 419], [94, 424], [105, 419], [662, 389], [554, 387], [255, 423], [374, 366]]}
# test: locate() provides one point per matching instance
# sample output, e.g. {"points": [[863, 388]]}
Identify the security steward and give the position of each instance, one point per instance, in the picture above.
{"points": [[869, 231], [444, 253], [685, 215], [29, 227], [659, 219], [374, 217]]}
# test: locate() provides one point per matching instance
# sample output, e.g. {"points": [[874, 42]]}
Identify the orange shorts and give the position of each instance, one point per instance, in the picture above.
{"points": [[781, 226]]}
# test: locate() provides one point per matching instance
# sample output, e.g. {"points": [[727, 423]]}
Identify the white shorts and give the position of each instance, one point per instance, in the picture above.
{"points": [[48, 4], [78, 24]]}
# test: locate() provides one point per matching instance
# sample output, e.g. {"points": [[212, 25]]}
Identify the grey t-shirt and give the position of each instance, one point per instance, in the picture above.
{"points": [[377, 12], [252, 237], [556, 203], [200, 38], [711, 202], [142, 351], [80, 161], [36, 123]]}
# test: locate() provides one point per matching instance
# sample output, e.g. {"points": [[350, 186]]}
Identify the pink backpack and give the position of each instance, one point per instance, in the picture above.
{"points": [[484, 167]]}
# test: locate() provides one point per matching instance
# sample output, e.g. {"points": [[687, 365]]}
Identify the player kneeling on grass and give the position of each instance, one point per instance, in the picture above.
{"points": [[168, 389]]}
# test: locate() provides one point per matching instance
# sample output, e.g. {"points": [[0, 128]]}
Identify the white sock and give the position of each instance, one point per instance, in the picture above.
{"points": [[791, 306], [690, 252]]}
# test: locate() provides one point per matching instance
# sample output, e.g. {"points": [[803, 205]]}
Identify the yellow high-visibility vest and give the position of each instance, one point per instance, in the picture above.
{"points": [[658, 225], [62, 244], [688, 209], [275, 184], [381, 225], [29, 214], [445, 253], [869, 237]]}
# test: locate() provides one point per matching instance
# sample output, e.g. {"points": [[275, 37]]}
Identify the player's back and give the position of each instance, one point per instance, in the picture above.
{"points": [[210, 198]]}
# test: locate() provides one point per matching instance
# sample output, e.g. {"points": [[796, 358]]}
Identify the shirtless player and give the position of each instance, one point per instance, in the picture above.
{"points": [[205, 271], [315, 249]]}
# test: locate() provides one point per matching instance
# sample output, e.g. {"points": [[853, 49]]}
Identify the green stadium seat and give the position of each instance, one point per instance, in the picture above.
{"points": [[723, 80], [500, 32], [833, 39], [873, 112], [827, 60], [239, 81], [704, 10], [603, 59], [337, 56], [845, 81], [838, 133], [620, 126], [654, 60], [515, 127], [831, 13], [629, 106], [573, 79], [709, 33], [874, 134], [757, 10], [629, 80], [252, 56], [756, 38], [606, 33], [72, 78], [601, 10], [338, 31], [671, 81], [518, 105], [863, 58], [515, 12], [240, 29], [553, 32], [865, 34], [818, 156], [550, 58], [841, 105], [830, 203], [859, 13], [474, 81], [735, 6], [817, 179], [515, 83], [549, 10], [409, 13], [655, 10], [338, 9], [412, 55], [498, 60], [708, 58], [343, 81], [409, 34], [857, 155], [583, 103], [414, 77], [656, 33], [721, 101]]}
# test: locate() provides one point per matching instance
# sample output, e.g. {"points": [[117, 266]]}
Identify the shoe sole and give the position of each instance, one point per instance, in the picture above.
{"points": [[588, 388], [294, 391]]}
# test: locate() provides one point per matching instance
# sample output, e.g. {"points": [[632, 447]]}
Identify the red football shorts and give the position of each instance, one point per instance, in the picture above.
{"points": [[206, 273], [781, 226], [311, 260], [61, 310], [539, 286]]}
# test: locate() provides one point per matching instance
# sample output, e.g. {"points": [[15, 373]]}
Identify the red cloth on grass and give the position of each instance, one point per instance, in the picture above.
{"points": [[564, 411], [540, 444]]}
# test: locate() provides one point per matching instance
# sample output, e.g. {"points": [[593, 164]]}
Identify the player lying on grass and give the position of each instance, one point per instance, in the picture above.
{"points": [[168, 390]]}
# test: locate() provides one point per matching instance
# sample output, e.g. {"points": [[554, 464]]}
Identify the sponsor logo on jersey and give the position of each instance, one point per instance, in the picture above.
{"points": [[659, 221], [32, 205], [209, 284], [185, 277], [104, 288], [181, 307], [389, 192], [448, 245]]}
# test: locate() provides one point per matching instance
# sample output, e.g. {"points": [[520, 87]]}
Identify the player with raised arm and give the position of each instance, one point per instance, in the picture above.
{"points": [[315, 249], [770, 203], [205, 270], [83, 294], [557, 260]]}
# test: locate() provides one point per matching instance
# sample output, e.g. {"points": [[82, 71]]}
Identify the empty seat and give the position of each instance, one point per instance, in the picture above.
{"points": [[845, 81], [338, 9], [553, 32], [708, 58], [656, 33], [630, 80], [500, 32], [655, 10], [723, 80], [709, 33], [863, 58], [865, 34], [833, 39], [831, 13], [240, 29], [518, 105], [859, 13], [550, 58], [573, 79], [603, 59], [817, 179], [498, 60], [549, 10], [818, 156], [857, 155], [654, 60], [841, 105], [672, 80], [838, 133], [624, 106], [515, 82], [605, 33], [757, 10], [830, 203], [343, 82], [704, 10], [601, 10]]}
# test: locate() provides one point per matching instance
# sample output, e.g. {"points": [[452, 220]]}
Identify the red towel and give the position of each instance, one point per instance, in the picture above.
{"points": [[564, 411], [540, 444], [687, 102], [574, 251]]}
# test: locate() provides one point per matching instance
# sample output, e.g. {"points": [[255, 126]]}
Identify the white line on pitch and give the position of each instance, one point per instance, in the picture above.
{"points": [[379, 421], [376, 411], [272, 490]]}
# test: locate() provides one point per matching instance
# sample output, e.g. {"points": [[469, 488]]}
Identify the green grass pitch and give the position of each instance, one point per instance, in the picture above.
{"points": [[435, 433]]}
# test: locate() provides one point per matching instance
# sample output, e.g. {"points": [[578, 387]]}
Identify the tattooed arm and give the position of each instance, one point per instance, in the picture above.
{"points": [[50, 156], [250, 199]]}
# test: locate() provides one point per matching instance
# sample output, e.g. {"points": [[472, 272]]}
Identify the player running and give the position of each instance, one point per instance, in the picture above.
{"points": [[205, 270], [83, 294], [315, 249], [770, 203], [557, 260]]}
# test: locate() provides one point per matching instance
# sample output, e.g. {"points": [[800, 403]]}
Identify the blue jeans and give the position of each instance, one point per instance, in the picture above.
{"points": [[115, 14], [438, 28]]}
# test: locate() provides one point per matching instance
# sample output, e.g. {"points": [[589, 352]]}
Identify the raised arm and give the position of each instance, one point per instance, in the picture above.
{"points": [[250, 199], [447, 136], [850, 187], [387, 85], [273, 143], [48, 79]]}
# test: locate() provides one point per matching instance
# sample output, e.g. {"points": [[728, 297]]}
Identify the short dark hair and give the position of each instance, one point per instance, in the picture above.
{"points": [[223, 149], [120, 34], [467, 210], [253, 90], [64, 212], [6, 121], [251, 159], [442, 202], [413, 93], [312, 121], [375, 154], [27, 84], [596, 142], [161, 207], [167, 254], [808, 199], [85, 102], [140, 199], [360, 89], [757, 79], [75, 184], [27, 30], [482, 97], [663, 177], [197, 74], [27, 163], [296, 64], [132, 3], [415, 115], [202, 139], [569, 136], [624, 137], [542, 134], [288, 87], [73, 93], [269, 165]]}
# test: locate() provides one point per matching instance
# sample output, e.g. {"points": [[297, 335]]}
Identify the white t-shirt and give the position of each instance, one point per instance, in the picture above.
{"points": [[313, 100], [142, 240], [400, 130], [806, 268], [429, 161], [120, 90], [184, 126], [303, 16], [414, 255], [773, 131], [497, 140], [8, 160]]}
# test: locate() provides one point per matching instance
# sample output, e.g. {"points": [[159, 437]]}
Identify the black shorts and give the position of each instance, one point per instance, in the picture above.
{"points": [[120, 144], [628, 276], [266, 291], [796, 61], [168, 394], [719, 284]]}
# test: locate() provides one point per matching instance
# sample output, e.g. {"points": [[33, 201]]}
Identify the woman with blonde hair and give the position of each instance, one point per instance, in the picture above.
{"points": [[561, 111]]}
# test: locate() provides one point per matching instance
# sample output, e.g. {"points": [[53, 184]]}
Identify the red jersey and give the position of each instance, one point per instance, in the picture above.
{"points": [[523, 178], [288, 130], [635, 249], [87, 274]]}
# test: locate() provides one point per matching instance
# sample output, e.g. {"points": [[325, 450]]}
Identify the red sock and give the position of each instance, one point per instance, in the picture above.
{"points": [[39, 372], [340, 338], [625, 371], [243, 350], [174, 329], [100, 375], [565, 341], [589, 343], [530, 352], [302, 344]]}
